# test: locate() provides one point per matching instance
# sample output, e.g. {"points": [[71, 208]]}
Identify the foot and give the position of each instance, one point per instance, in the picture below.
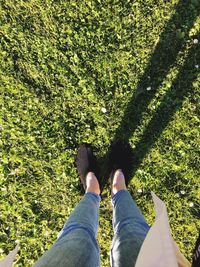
{"points": [[118, 182], [87, 168], [92, 183], [121, 158]]}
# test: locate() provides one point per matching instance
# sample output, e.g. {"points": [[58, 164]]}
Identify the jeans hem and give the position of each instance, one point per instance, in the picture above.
{"points": [[118, 195]]}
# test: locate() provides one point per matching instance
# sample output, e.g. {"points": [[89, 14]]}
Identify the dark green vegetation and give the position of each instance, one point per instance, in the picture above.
{"points": [[61, 62]]}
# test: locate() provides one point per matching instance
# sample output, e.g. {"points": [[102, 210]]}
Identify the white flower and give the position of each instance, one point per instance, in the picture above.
{"points": [[104, 110], [139, 190], [182, 192], [149, 88], [140, 171], [191, 204], [46, 233], [195, 41], [153, 107], [197, 66]]}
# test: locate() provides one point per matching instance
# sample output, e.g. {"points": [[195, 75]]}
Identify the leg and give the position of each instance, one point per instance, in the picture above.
{"points": [[76, 244], [130, 227]]}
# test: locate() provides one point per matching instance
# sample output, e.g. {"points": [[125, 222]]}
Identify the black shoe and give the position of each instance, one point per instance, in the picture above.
{"points": [[120, 157], [86, 162]]}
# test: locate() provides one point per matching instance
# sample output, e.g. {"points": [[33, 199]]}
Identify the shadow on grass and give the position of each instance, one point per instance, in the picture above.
{"points": [[172, 101], [163, 58]]}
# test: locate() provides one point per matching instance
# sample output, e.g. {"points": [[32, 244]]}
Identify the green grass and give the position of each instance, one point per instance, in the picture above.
{"points": [[61, 62]]}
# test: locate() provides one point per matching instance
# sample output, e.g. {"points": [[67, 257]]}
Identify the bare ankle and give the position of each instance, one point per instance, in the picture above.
{"points": [[92, 184], [118, 182]]}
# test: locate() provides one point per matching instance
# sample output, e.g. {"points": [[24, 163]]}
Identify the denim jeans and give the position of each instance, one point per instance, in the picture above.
{"points": [[77, 246]]}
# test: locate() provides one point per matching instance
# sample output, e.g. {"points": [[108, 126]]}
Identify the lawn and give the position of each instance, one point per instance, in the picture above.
{"points": [[92, 71]]}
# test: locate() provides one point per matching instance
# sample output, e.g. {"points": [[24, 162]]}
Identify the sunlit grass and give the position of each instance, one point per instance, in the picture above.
{"points": [[86, 71]]}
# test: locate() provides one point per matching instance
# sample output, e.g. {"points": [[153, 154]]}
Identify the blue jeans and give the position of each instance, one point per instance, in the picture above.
{"points": [[77, 244]]}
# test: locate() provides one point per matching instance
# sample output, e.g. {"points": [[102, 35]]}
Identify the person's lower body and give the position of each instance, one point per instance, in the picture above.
{"points": [[76, 245]]}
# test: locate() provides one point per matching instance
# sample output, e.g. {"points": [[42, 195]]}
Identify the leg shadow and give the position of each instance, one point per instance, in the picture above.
{"points": [[160, 63], [172, 101], [163, 58]]}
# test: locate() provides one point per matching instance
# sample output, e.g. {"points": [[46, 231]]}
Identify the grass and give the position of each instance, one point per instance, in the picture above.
{"points": [[76, 71]]}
